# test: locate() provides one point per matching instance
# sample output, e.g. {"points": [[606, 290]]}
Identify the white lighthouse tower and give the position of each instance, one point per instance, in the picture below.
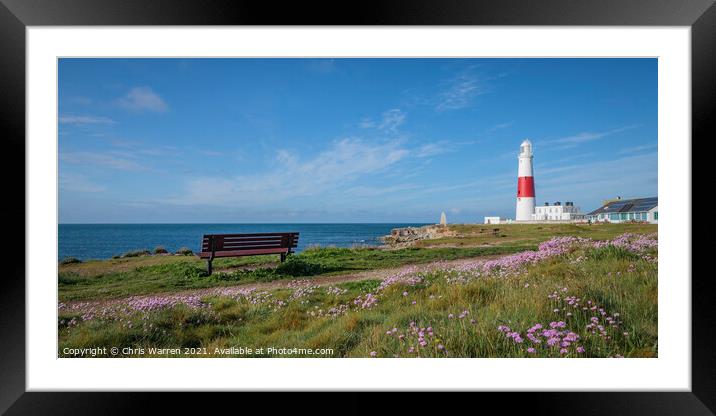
{"points": [[525, 184]]}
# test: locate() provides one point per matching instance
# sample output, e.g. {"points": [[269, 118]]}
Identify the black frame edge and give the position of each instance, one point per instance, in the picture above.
{"points": [[367, 12], [703, 109], [700, 14], [12, 125]]}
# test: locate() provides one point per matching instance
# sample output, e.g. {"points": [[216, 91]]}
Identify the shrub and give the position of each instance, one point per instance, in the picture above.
{"points": [[160, 250], [70, 260], [193, 272], [136, 253], [184, 251], [295, 266]]}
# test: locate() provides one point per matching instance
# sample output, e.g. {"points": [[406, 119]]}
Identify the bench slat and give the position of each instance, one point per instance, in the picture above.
{"points": [[239, 253], [252, 235], [276, 241], [249, 247], [254, 244], [274, 238], [250, 241], [225, 246], [239, 240]]}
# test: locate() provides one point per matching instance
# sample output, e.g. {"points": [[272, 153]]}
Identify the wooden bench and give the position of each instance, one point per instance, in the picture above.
{"points": [[237, 245]]}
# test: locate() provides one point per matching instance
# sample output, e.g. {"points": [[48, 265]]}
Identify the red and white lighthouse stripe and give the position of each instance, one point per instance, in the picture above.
{"points": [[526, 187], [525, 184]]}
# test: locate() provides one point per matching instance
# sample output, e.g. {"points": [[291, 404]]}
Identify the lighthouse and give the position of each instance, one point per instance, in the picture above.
{"points": [[525, 184]]}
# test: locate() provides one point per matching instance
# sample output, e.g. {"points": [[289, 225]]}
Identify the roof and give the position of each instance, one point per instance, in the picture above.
{"points": [[627, 205]]}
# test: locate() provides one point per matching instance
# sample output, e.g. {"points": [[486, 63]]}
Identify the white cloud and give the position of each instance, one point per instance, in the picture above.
{"points": [[390, 121], [459, 93], [343, 162], [77, 120], [585, 184], [78, 183], [637, 149], [367, 123], [616, 170], [433, 149], [584, 137], [590, 183], [374, 191], [500, 126], [143, 99], [101, 159]]}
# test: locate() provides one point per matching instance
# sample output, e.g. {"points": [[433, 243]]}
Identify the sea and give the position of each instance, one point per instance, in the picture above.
{"points": [[102, 241]]}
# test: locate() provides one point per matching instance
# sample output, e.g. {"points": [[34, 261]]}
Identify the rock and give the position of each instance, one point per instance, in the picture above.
{"points": [[408, 235]]}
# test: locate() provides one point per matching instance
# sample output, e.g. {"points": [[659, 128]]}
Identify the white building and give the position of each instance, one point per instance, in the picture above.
{"points": [[497, 220], [557, 212], [624, 210]]}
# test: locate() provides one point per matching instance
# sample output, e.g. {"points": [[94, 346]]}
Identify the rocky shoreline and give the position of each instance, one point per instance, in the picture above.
{"points": [[406, 236]]}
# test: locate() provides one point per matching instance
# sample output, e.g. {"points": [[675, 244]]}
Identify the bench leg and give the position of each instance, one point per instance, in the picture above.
{"points": [[283, 257], [208, 266]]}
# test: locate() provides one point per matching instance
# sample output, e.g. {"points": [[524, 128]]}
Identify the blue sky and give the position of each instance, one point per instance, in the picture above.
{"points": [[347, 140]]}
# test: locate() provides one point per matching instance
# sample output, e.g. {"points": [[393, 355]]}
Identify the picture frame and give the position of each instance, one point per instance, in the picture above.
{"points": [[17, 15]]}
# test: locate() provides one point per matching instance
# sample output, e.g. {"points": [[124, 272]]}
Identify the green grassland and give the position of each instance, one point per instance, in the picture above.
{"points": [[463, 315], [530, 234], [134, 276], [104, 279]]}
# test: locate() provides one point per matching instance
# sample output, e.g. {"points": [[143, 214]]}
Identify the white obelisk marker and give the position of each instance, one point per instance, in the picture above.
{"points": [[525, 184]]}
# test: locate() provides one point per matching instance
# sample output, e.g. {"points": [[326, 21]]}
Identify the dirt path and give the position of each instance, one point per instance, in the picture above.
{"points": [[379, 274]]}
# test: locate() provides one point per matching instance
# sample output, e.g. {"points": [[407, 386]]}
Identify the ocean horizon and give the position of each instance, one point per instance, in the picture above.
{"points": [[102, 241]]}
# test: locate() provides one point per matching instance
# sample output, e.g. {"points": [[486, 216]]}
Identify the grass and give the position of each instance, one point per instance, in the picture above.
{"points": [[153, 274], [530, 234], [463, 314], [103, 279]]}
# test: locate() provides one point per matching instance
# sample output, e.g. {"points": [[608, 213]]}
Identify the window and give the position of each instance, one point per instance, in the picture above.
{"points": [[656, 215], [614, 216]]}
